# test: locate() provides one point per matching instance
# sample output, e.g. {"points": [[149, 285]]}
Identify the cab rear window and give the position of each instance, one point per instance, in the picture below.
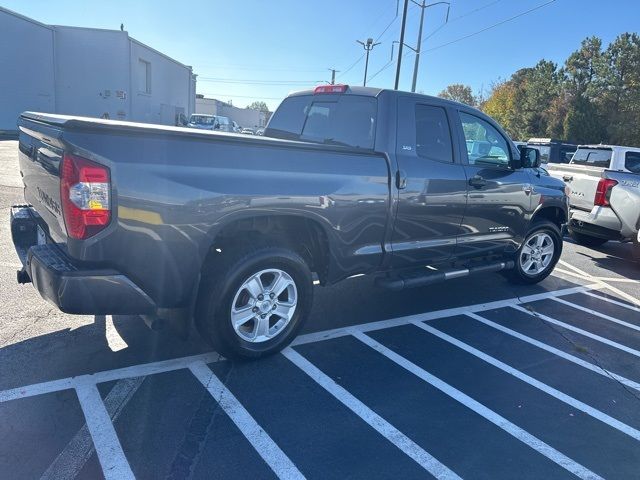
{"points": [[348, 120], [596, 157]]}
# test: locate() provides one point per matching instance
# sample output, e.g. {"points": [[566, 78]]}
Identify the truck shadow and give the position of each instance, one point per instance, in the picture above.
{"points": [[119, 341], [615, 257]]}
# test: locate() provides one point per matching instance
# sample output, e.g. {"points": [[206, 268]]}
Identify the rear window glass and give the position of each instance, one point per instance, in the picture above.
{"points": [[345, 120], [632, 162], [597, 157]]}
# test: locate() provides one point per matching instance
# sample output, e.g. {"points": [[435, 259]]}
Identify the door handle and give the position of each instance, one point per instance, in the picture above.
{"points": [[401, 179], [567, 178], [477, 181]]}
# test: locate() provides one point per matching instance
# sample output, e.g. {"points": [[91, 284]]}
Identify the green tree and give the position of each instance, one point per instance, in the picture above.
{"points": [[459, 93], [621, 98], [502, 106], [259, 105], [583, 123], [583, 68]]}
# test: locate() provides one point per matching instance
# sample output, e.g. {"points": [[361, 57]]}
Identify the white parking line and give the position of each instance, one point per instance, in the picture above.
{"points": [[281, 465], [593, 336], [184, 362], [114, 341], [106, 376], [105, 440], [384, 428], [501, 422], [578, 361], [68, 464], [563, 397], [448, 312], [589, 277], [612, 301], [598, 314]]}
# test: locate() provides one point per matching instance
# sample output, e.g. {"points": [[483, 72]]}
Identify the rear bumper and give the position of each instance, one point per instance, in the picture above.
{"points": [[70, 285], [600, 222]]}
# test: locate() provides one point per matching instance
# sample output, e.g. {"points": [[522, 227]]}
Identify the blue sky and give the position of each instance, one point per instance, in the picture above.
{"points": [[260, 50]]}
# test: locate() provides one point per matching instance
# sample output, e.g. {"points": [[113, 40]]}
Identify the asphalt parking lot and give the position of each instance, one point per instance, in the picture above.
{"points": [[473, 378]]}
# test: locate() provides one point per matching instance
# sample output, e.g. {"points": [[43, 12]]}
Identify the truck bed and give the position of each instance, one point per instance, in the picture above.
{"points": [[173, 188]]}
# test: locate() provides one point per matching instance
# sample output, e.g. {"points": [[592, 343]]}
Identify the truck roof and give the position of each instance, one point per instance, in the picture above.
{"points": [[612, 147], [375, 92]]}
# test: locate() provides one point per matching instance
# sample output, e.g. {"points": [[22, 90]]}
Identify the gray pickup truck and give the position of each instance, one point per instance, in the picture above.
{"points": [[175, 224], [605, 194]]}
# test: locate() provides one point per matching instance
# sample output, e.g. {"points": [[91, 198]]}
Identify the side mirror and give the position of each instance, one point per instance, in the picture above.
{"points": [[529, 157]]}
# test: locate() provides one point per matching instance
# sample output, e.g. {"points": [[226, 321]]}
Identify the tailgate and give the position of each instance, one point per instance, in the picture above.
{"points": [[583, 181], [40, 156]]}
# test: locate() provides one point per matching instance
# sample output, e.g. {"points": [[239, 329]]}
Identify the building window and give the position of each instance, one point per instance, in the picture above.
{"points": [[144, 76]]}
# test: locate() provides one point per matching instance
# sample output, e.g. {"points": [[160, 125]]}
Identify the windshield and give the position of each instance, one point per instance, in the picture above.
{"points": [[202, 119], [597, 157]]}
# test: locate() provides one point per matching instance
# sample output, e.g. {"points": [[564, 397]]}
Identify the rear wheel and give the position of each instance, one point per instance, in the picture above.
{"points": [[538, 254], [253, 302], [636, 250], [587, 240]]}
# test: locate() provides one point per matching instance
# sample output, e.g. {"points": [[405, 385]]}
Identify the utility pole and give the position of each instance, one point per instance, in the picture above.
{"points": [[423, 7], [404, 22], [368, 46], [333, 75]]}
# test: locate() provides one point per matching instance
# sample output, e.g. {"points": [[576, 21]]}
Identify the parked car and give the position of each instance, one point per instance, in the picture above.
{"points": [[236, 128], [171, 224], [553, 150], [223, 124], [605, 193], [202, 121], [260, 131], [247, 131]]}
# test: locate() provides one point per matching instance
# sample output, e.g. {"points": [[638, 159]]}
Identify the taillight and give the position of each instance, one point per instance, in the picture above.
{"points": [[85, 193], [330, 89], [603, 192]]}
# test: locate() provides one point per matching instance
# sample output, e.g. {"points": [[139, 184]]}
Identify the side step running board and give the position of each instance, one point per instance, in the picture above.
{"points": [[420, 278]]}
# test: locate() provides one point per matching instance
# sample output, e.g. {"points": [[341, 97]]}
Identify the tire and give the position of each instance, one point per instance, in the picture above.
{"points": [[229, 283], [635, 250], [542, 265], [587, 240]]}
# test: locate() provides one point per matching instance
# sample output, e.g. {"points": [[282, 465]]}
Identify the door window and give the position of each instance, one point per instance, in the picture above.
{"points": [[485, 145], [433, 136]]}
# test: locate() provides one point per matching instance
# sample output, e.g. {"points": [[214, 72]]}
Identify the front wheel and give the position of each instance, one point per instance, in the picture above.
{"points": [[253, 302], [538, 254]]}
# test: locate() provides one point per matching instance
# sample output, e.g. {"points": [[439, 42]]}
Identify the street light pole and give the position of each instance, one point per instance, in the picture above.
{"points": [[368, 46]]}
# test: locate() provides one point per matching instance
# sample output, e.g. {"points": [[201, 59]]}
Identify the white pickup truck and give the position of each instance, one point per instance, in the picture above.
{"points": [[605, 194]]}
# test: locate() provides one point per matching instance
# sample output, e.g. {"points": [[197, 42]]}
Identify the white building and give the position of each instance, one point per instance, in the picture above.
{"points": [[245, 117], [89, 72]]}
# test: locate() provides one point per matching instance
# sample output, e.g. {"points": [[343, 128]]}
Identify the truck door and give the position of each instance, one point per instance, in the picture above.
{"points": [[431, 184], [499, 198]]}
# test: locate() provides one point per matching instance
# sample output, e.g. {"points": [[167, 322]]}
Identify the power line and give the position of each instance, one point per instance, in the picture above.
{"points": [[235, 81], [469, 35], [240, 96], [490, 27], [348, 69], [255, 68]]}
